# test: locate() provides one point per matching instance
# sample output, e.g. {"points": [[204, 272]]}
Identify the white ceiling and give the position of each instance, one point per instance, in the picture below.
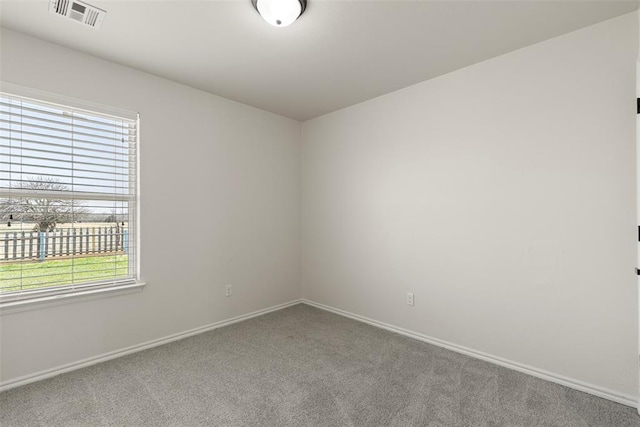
{"points": [[337, 54]]}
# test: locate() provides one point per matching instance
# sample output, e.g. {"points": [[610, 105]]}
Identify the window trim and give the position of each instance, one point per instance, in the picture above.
{"points": [[16, 306], [67, 293]]}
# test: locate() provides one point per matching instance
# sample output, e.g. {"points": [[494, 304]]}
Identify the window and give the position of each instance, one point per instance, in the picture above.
{"points": [[67, 199]]}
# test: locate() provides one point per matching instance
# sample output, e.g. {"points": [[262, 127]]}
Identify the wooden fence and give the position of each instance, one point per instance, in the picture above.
{"points": [[87, 241]]}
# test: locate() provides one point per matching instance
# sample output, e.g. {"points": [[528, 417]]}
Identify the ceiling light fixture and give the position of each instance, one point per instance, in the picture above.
{"points": [[280, 13]]}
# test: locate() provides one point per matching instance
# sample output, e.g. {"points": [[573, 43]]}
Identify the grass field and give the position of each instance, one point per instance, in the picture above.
{"points": [[16, 276]]}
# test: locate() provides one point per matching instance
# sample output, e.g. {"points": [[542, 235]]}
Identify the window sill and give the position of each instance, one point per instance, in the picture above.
{"points": [[11, 307]]}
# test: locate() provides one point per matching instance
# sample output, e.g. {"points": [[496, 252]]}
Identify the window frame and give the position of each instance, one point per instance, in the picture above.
{"points": [[19, 301]]}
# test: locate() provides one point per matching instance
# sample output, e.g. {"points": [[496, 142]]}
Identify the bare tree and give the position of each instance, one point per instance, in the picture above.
{"points": [[45, 212]]}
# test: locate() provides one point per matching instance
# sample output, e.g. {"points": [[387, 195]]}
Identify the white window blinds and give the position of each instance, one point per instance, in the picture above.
{"points": [[67, 198]]}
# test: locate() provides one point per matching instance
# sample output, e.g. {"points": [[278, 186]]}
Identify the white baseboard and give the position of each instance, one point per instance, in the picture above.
{"points": [[530, 370], [539, 373], [48, 373]]}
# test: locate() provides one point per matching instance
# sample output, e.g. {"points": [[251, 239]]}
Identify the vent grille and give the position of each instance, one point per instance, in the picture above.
{"points": [[78, 11], [92, 17], [62, 7]]}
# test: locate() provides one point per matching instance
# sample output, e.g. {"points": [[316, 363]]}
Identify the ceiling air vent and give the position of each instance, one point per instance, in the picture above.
{"points": [[78, 11]]}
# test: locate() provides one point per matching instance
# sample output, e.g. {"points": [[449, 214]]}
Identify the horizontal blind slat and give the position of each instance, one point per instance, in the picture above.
{"points": [[11, 125], [73, 153], [74, 169], [62, 138], [63, 195], [24, 156], [71, 114], [108, 184], [128, 132], [68, 176], [130, 150]]}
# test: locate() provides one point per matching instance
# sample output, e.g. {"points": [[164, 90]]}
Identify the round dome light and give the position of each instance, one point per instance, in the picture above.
{"points": [[280, 13]]}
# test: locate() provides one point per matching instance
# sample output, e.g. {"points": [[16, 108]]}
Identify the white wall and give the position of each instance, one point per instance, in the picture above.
{"points": [[502, 195], [638, 189], [226, 173]]}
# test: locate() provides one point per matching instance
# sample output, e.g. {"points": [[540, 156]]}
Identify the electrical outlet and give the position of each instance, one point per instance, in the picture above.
{"points": [[409, 298], [228, 290]]}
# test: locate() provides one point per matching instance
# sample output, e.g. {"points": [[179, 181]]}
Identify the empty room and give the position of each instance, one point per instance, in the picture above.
{"points": [[319, 213]]}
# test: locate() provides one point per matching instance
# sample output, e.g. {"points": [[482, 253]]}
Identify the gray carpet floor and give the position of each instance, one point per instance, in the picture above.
{"points": [[303, 367]]}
